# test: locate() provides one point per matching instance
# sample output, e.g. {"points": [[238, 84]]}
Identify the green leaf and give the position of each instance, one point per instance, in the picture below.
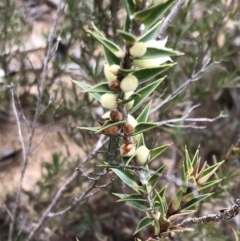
{"points": [[85, 87], [141, 141], [208, 173], [128, 37], [106, 43], [151, 33], [111, 50], [209, 184], [141, 205], [108, 124], [187, 163], [144, 114], [130, 6], [195, 201], [145, 74], [195, 158], [157, 151], [127, 177], [99, 88], [110, 57], [129, 197], [160, 202], [93, 129], [151, 15], [146, 221], [176, 201], [144, 93], [143, 127], [153, 53]]}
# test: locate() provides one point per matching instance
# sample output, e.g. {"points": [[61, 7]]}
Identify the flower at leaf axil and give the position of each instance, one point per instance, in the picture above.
{"points": [[129, 83], [127, 149], [109, 101], [142, 155]]}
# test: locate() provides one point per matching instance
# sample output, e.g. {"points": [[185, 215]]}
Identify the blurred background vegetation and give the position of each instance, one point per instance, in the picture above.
{"points": [[203, 30]]}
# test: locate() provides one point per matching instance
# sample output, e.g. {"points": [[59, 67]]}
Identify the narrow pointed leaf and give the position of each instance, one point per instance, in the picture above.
{"points": [[157, 151], [111, 50], [144, 93], [143, 127], [151, 15], [151, 33], [146, 221], [144, 114], [153, 53], [85, 87], [128, 197], [176, 202], [195, 158], [146, 74], [141, 205], [196, 200], [141, 141], [93, 129], [127, 177], [105, 42], [208, 173], [209, 184], [130, 6], [128, 37], [108, 124], [99, 88], [188, 163]]}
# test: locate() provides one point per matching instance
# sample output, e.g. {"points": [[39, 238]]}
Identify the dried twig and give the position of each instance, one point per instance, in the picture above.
{"points": [[223, 214], [195, 76], [27, 150], [47, 214], [169, 18]]}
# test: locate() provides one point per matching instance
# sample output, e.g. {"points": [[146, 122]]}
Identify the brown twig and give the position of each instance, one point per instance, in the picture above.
{"points": [[224, 214], [169, 18], [47, 214], [27, 150]]}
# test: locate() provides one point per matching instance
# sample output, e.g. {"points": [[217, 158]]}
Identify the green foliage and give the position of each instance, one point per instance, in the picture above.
{"points": [[145, 65]]}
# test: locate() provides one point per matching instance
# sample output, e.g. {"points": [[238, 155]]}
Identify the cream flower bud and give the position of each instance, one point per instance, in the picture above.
{"points": [[142, 155], [109, 101], [108, 73], [114, 68], [138, 49], [127, 149], [129, 83], [106, 116], [132, 121]]}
